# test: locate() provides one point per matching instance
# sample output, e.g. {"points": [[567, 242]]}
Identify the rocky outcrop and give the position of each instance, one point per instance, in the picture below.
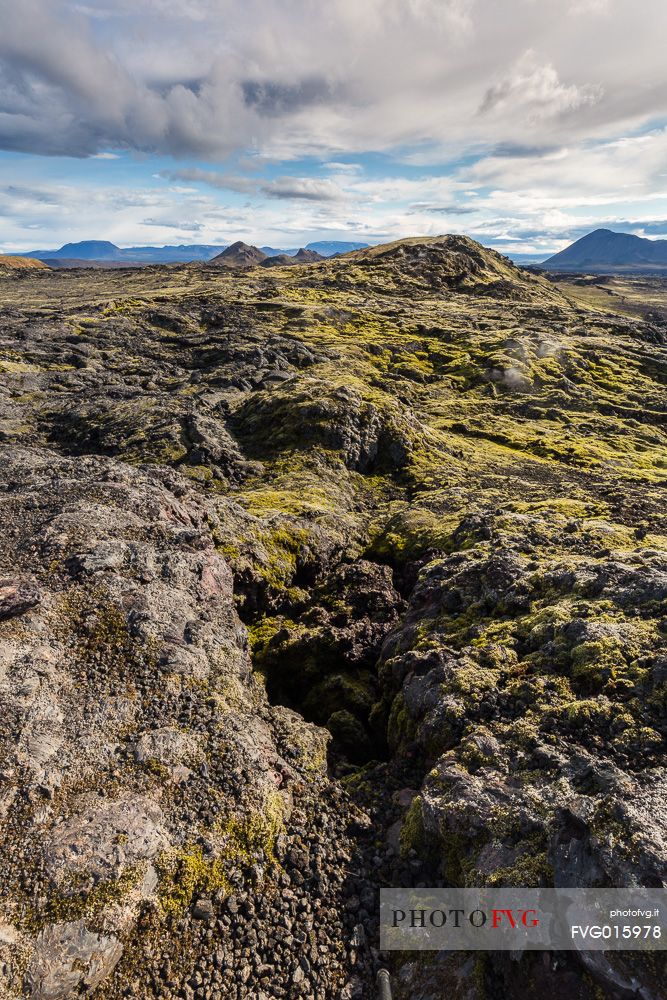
{"points": [[322, 658], [278, 260], [69, 959], [130, 710], [446, 263], [305, 256], [367, 433]]}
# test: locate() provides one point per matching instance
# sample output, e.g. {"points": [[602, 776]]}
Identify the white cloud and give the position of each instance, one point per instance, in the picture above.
{"points": [[549, 105], [533, 90], [590, 6], [217, 179], [625, 169], [203, 78], [303, 188]]}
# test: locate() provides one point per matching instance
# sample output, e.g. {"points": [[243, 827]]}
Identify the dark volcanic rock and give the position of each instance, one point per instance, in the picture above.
{"points": [[302, 256], [17, 597], [279, 260]]}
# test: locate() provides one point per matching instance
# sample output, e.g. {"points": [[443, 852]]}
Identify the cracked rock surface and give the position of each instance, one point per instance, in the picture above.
{"points": [[313, 581]]}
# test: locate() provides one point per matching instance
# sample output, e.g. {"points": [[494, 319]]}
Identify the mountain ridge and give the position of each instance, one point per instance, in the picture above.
{"points": [[182, 253], [606, 250], [302, 256]]}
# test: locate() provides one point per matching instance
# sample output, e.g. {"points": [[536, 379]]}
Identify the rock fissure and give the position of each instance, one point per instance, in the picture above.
{"points": [[320, 657]]}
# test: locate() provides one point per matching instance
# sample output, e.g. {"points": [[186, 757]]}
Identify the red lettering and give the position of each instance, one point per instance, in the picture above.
{"points": [[498, 916]]}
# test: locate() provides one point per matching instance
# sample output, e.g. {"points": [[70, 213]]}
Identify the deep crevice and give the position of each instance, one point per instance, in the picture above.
{"points": [[320, 657]]}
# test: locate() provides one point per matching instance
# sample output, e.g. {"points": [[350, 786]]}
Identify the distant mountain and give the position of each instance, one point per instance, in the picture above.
{"points": [[240, 254], [91, 250], [85, 250], [72, 254], [525, 258], [103, 250], [308, 256], [184, 253], [325, 248], [275, 252], [330, 247], [609, 252], [301, 256]]}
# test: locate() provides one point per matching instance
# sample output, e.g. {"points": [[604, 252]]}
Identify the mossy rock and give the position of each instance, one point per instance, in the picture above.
{"points": [[369, 433], [350, 737]]}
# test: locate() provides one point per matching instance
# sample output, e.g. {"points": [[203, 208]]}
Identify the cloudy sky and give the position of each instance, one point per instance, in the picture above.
{"points": [[524, 123]]}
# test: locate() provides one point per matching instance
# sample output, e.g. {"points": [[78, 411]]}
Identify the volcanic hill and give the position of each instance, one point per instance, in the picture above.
{"points": [[607, 252], [20, 264], [302, 256], [240, 254]]}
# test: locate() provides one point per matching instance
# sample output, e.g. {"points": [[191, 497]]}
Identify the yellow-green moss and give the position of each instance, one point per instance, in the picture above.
{"points": [[59, 908], [530, 871], [186, 872], [412, 837]]}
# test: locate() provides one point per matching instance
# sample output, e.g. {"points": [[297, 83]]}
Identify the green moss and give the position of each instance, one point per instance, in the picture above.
{"points": [[200, 473], [262, 634], [530, 871], [244, 836], [281, 544], [412, 836], [170, 453], [410, 534], [120, 306], [472, 757], [473, 681], [588, 712], [18, 367], [289, 501], [455, 854], [185, 873], [596, 663], [400, 726], [568, 507], [639, 738], [87, 903], [157, 768], [312, 751]]}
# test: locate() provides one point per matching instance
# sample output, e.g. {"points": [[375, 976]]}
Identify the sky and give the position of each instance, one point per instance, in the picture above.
{"points": [[523, 123]]}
